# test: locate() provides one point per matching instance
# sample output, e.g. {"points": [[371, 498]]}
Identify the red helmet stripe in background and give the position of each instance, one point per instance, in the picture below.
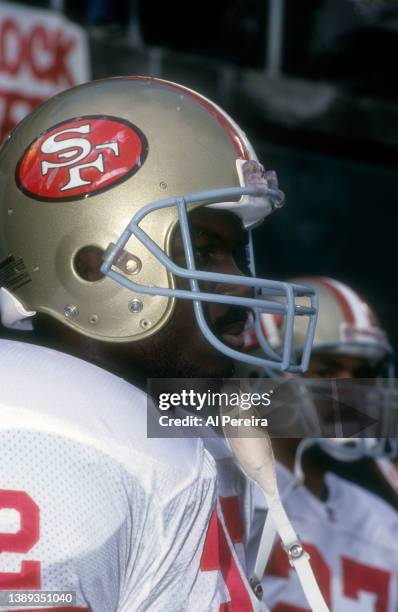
{"points": [[345, 321], [270, 324], [239, 144], [356, 312]]}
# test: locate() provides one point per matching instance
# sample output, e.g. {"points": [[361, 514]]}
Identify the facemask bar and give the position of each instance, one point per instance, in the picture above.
{"points": [[265, 345], [274, 288]]}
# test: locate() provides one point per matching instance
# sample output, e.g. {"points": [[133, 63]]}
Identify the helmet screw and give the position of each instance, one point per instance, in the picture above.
{"points": [[133, 265], [163, 185], [296, 551], [71, 311], [135, 306]]}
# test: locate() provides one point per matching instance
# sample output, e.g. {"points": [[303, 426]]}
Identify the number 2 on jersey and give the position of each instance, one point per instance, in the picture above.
{"points": [[21, 541]]}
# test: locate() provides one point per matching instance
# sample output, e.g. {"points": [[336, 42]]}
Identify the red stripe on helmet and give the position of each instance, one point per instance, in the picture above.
{"points": [[251, 341], [340, 297], [374, 322], [237, 142], [345, 304]]}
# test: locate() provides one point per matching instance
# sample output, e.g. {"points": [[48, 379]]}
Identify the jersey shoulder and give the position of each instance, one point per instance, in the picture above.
{"points": [[361, 511], [58, 394]]}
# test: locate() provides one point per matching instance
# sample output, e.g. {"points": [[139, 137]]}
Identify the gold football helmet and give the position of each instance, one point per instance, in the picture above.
{"points": [[105, 171], [346, 323]]}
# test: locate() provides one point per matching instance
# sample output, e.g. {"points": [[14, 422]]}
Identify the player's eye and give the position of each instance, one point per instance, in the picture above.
{"points": [[204, 254]]}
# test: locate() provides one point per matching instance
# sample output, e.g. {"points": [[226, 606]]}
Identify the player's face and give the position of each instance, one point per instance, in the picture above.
{"points": [[220, 246], [329, 365]]}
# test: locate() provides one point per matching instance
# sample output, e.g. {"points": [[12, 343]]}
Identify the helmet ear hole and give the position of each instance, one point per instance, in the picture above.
{"points": [[87, 263]]}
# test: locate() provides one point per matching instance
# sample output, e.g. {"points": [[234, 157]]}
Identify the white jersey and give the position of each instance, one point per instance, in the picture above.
{"points": [[89, 504], [352, 539]]}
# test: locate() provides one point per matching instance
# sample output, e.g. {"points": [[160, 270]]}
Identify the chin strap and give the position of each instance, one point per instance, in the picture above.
{"points": [[277, 522], [253, 451]]}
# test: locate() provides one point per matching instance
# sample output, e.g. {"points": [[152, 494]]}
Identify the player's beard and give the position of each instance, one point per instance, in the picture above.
{"points": [[165, 357]]}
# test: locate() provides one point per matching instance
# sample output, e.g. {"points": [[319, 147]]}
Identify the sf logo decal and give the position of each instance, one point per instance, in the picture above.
{"points": [[81, 157], [74, 150]]}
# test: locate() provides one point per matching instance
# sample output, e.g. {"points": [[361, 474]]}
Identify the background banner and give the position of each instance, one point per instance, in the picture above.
{"points": [[41, 53]]}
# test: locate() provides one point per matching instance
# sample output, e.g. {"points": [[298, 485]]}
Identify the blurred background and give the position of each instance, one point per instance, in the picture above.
{"points": [[313, 84]]}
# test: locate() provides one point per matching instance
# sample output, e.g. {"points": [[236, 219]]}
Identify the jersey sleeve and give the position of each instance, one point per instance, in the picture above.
{"points": [[74, 519], [168, 570], [65, 518]]}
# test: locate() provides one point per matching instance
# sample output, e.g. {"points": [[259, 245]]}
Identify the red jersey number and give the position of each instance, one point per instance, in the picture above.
{"points": [[217, 554], [22, 541], [356, 577]]}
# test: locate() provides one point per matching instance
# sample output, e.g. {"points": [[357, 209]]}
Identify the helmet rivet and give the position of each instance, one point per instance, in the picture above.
{"points": [[163, 185], [296, 551], [145, 323], [135, 306], [93, 320], [71, 311], [132, 265]]}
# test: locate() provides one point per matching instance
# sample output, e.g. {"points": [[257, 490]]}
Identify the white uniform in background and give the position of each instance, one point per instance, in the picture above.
{"points": [[352, 539], [89, 504]]}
